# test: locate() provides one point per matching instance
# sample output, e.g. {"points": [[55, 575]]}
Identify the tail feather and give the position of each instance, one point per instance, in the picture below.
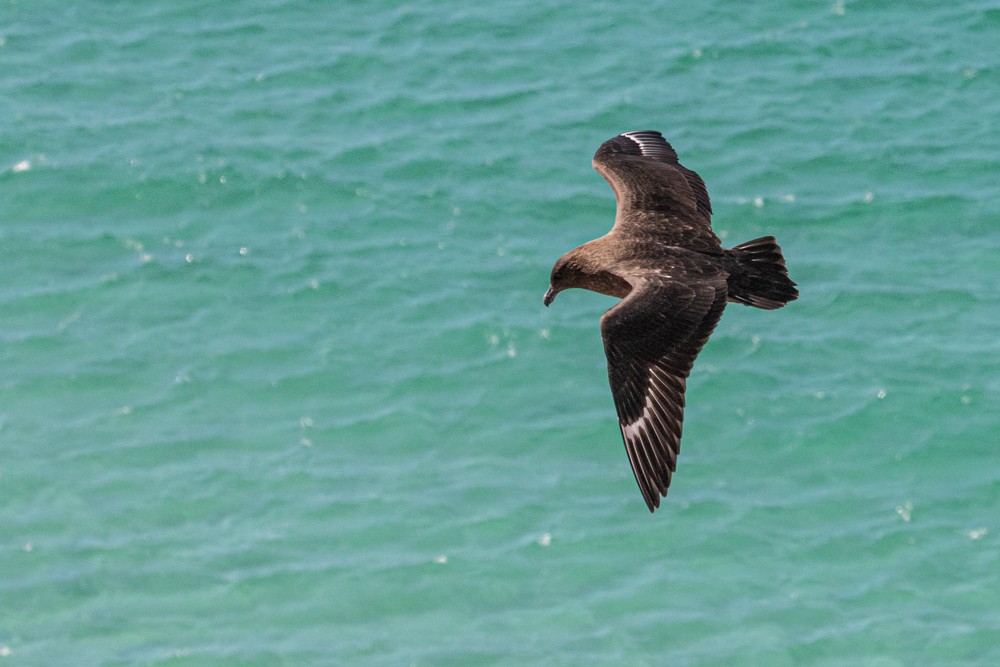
{"points": [[759, 277]]}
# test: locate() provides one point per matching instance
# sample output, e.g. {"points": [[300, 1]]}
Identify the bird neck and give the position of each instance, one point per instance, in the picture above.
{"points": [[591, 263]]}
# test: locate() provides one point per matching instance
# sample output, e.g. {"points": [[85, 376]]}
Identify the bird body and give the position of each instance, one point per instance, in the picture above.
{"points": [[674, 278]]}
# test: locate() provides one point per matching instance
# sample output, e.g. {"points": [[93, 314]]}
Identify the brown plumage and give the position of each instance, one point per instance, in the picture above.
{"points": [[674, 278]]}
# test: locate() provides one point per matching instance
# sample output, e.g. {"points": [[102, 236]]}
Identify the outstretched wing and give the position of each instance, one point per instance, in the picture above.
{"points": [[656, 194], [651, 339]]}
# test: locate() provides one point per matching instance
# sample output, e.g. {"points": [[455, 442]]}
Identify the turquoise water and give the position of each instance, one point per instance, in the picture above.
{"points": [[278, 387]]}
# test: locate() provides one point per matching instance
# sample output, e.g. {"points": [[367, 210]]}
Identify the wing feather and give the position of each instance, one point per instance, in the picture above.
{"points": [[651, 339], [656, 194]]}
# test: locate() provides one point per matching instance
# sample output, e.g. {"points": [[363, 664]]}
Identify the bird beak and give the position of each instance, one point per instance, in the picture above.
{"points": [[549, 296]]}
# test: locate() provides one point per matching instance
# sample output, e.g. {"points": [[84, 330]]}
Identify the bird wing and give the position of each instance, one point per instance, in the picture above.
{"points": [[656, 194], [651, 339]]}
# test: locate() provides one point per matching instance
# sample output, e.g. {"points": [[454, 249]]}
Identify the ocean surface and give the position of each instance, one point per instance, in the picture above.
{"points": [[277, 386]]}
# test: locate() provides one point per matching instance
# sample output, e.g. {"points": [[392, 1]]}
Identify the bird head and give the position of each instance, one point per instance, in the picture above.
{"points": [[564, 275]]}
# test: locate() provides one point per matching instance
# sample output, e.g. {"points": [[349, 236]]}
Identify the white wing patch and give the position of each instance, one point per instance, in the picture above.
{"points": [[651, 144], [632, 431], [655, 424]]}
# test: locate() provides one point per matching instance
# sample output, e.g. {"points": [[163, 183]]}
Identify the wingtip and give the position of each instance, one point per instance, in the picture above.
{"points": [[634, 132], [652, 499]]}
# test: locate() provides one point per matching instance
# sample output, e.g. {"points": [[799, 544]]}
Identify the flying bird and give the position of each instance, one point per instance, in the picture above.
{"points": [[674, 279]]}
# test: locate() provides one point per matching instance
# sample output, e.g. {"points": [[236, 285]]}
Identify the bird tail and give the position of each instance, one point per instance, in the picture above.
{"points": [[759, 277]]}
